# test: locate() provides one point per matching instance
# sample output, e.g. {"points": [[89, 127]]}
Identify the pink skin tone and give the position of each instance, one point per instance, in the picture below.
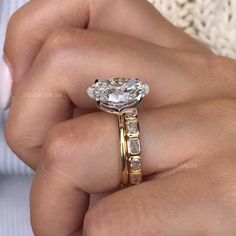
{"points": [[188, 145]]}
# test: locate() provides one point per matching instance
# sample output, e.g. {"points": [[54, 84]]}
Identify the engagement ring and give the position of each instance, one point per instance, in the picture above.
{"points": [[121, 96]]}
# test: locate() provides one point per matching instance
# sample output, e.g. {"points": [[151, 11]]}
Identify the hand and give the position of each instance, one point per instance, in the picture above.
{"points": [[28, 30], [96, 47], [188, 162], [69, 60]]}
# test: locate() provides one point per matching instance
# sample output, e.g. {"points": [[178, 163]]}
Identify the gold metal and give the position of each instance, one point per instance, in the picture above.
{"points": [[123, 151], [130, 147], [130, 144]]}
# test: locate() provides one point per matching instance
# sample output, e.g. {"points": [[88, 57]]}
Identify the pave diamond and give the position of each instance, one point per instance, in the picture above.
{"points": [[134, 146], [118, 93], [135, 178], [132, 128], [132, 114], [135, 164]]}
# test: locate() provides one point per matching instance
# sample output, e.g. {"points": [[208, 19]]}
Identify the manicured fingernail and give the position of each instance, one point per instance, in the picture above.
{"points": [[5, 85]]}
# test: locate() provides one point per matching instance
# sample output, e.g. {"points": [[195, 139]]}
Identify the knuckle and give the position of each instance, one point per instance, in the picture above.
{"points": [[17, 26], [56, 47], [63, 43], [17, 22], [56, 149], [18, 137], [70, 140], [80, 147], [59, 39]]}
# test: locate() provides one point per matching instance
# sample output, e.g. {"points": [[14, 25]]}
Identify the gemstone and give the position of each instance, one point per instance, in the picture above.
{"points": [[118, 96], [135, 178], [131, 114], [132, 128], [135, 164], [134, 146], [118, 92]]}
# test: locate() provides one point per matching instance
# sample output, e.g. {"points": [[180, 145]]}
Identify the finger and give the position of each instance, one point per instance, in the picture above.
{"points": [[28, 30], [183, 204], [82, 156], [74, 58]]}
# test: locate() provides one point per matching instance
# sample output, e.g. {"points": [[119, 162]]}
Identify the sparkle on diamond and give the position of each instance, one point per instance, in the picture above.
{"points": [[135, 165], [118, 92], [134, 146]]}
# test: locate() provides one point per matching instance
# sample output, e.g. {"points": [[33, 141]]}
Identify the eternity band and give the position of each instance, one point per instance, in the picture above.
{"points": [[130, 148], [121, 96]]}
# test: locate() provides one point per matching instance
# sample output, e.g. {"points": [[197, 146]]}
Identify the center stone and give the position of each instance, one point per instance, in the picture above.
{"points": [[117, 93], [118, 96]]}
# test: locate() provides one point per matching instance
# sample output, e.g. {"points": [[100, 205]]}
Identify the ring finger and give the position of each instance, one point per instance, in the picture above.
{"points": [[74, 164], [71, 60]]}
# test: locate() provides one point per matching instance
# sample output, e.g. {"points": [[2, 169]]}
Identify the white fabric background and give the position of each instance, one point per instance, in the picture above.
{"points": [[211, 21]]}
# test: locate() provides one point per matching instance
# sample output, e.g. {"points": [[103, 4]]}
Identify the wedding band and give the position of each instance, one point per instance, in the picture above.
{"points": [[121, 96], [130, 148]]}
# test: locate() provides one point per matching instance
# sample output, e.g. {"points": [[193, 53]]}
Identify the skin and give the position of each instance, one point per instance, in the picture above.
{"points": [[187, 121], [140, 20]]}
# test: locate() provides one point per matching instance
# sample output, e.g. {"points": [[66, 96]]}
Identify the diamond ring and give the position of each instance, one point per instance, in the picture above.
{"points": [[121, 96]]}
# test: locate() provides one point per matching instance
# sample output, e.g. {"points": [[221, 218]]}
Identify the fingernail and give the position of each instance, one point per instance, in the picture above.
{"points": [[5, 85]]}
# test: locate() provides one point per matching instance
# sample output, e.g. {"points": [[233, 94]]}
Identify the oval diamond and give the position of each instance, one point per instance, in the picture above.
{"points": [[118, 93]]}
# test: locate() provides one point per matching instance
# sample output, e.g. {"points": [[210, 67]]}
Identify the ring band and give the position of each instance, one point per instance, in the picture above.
{"points": [[130, 145], [121, 96], [123, 151]]}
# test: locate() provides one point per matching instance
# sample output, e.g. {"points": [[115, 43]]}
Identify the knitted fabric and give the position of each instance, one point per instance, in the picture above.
{"points": [[210, 21]]}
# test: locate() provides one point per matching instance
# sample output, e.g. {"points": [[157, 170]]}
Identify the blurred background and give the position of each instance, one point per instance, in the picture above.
{"points": [[15, 177]]}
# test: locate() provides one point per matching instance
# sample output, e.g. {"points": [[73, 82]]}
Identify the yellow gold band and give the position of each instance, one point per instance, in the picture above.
{"points": [[130, 146], [123, 152]]}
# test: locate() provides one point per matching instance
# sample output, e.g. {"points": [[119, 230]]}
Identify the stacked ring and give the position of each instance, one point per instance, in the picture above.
{"points": [[130, 148], [121, 96]]}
